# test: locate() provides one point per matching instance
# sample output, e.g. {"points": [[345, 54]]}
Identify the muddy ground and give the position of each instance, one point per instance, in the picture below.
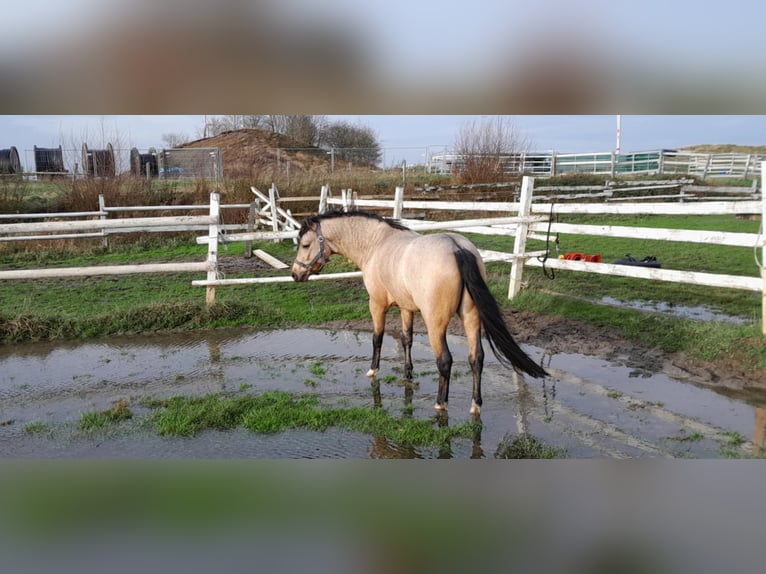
{"points": [[563, 335]]}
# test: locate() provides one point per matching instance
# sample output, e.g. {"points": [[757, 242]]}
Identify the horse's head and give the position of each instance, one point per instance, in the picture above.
{"points": [[312, 250]]}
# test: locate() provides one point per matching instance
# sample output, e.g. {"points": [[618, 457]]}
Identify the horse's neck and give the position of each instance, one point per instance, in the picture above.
{"points": [[356, 240]]}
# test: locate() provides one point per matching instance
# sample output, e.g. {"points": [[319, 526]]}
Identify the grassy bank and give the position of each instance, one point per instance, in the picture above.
{"points": [[85, 307], [103, 306]]}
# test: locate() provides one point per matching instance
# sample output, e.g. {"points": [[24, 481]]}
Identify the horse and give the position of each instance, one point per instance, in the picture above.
{"points": [[438, 275]]}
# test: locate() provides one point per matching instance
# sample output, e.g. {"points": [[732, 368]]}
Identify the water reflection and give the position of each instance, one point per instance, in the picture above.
{"points": [[699, 313], [759, 433], [591, 406]]}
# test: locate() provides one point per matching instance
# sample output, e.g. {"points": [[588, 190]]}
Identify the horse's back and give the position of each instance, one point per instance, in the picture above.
{"points": [[438, 250], [420, 271]]}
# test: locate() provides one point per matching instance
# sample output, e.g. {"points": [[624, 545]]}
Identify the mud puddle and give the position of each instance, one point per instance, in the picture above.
{"points": [[589, 408], [697, 313]]}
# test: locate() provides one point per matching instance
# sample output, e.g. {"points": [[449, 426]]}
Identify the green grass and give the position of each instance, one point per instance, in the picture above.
{"points": [[93, 420], [37, 427], [102, 306], [731, 445], [276, 411], [527, 447], [71, 308], [317, 369], [579, 295]]}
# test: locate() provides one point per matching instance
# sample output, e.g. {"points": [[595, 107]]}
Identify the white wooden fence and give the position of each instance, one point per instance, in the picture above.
{"points": [[534, 219], [523, 219]]}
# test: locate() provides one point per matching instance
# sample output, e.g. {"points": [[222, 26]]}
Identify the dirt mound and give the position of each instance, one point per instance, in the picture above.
{"points": [[253, 153]]}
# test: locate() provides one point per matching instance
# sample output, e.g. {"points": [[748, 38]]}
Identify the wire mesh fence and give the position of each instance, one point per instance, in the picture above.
{"points": [[176, 163]]}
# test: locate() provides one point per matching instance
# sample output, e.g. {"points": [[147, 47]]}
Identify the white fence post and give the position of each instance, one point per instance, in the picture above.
{"points": [[251, 216], [212, 246], [347, 197], [398, 201], [323, 195], [763, 250], [274, 213], [520, 241], [102, 209]]}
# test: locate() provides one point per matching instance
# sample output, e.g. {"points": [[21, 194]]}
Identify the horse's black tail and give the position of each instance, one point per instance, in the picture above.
{"points": [[495, 329]]}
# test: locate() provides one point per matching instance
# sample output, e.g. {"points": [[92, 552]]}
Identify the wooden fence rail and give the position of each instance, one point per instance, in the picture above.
{"points": [[522, 219], [529, 226], [21, 231]]}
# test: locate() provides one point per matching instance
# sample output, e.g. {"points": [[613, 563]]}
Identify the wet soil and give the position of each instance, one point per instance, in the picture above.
{"points": [[563, 335], [588, 407]]}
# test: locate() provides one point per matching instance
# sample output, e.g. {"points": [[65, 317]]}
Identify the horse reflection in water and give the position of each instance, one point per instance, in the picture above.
{"points": [[438, 275], [384, 448]]}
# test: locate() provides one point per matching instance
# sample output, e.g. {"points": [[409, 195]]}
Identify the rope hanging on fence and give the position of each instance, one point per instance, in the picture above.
{"points": [[549, 273]]}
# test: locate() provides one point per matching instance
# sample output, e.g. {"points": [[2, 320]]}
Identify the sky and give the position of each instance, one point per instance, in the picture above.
{"points": [[402, 137], [381, 56]]}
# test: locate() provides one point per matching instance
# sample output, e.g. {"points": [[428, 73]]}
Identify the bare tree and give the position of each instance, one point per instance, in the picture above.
{"points": [[216, 125], [355, 143], [174, 139], [304, 129], [277, 123], [487, 149]]}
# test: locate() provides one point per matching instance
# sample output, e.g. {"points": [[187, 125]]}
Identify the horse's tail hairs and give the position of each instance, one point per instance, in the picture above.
{"points": [[500, 340]]}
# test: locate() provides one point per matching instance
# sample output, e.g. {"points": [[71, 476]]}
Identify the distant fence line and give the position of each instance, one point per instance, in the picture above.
{"points": [[671, 162], [527, 220], [207, 163], [62, 163]]}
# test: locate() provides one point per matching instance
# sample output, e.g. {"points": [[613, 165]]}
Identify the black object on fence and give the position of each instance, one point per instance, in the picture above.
{"points": [[49, 160], [140, 162], [98, 162], [9, 161]]}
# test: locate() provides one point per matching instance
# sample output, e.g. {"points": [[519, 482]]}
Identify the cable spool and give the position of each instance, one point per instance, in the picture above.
{"points": [[98, 162], [9, 161], [140, 161], [49, 160]]}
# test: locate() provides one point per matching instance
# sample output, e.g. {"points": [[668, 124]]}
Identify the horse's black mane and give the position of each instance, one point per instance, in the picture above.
{"points": [[336, 214]]}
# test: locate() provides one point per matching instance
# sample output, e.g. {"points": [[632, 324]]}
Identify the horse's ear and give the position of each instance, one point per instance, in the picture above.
{"points": [[309, 224]]}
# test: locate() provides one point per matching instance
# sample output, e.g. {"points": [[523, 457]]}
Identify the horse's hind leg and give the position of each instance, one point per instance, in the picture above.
{"points": [[472, 326], [443, 364], [407, 321], [378, 313]]}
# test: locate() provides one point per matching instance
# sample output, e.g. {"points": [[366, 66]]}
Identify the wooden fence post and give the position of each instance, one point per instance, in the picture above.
{"points": [[520, 241], [273, 194], [398, 200], [250, 226], [763, 248], [323, 195], [347, 197], [212, 246], [102, 209]]}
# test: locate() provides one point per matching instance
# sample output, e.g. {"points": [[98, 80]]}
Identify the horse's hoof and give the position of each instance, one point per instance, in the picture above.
{"points": [[440, 407], [372, 372], [475, 409]]}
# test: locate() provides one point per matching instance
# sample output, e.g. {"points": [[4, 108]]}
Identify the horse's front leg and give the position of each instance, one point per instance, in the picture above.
{"points": [[407, 321], [378, 313]]}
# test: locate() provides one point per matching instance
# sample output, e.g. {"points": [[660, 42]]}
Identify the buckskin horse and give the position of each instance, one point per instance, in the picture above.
{"points": [[437, 274]]}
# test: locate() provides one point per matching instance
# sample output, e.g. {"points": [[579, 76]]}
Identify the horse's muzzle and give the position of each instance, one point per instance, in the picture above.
{"points": [[300, 275]]}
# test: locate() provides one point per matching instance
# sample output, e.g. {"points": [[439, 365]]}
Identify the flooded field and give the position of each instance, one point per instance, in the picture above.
{"points": [[589, 408]]}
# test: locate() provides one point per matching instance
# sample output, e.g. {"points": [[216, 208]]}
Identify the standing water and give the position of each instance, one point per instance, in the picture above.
{"points": [[588, 408]]}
